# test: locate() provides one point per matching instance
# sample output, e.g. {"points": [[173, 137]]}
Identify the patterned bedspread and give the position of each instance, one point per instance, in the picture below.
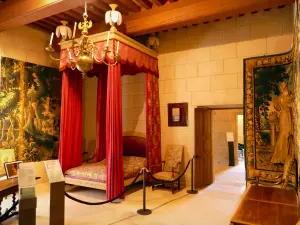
{"points": [[97, 171]]}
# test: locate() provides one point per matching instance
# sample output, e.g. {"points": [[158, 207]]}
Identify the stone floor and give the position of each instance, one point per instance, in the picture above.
{"points": [[213, 205]]}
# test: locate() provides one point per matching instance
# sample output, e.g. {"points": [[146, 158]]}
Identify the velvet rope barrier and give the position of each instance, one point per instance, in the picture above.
{"points": [[128, 187], [107, 201]]}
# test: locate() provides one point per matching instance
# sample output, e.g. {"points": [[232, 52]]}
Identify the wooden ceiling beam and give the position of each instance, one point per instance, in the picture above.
{"points": [[76, 16], [45, 26], [54, 19], [121, 7], [122, 10], [120, 4], [130, 5], [79, 10], [145, 4], [63, 16], [37, 27], [188, 12], [102, 6], [91, 15], [50, 22], [18, 13], [159, 2], [97, 12]]}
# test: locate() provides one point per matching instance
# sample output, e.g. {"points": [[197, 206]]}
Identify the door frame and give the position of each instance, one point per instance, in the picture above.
{"points": [[229, 107]]}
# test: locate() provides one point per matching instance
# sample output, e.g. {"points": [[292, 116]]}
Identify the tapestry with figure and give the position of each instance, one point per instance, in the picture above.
{"points": [[29, 110], [269, 100]]}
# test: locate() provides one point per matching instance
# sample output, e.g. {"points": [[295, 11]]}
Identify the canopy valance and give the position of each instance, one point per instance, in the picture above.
{"points": [[139, 57]]}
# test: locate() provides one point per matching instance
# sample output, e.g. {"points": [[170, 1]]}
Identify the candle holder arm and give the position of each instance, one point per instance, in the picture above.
{"points": [[50, 49]]}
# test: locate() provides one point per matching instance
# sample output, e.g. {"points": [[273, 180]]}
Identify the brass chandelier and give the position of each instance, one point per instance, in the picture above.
{"points": [[81, 54]]}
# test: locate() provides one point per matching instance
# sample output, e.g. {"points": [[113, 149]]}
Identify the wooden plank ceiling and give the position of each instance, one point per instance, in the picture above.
{"points": [[139, 16], [96, 11], [188, 12]]}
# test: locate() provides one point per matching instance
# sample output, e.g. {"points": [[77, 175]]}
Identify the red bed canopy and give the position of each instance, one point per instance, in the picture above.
{"points": [[135, 58]]}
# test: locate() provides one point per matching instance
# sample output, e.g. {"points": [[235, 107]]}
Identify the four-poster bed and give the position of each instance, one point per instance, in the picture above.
{"points": [[134, 58]]}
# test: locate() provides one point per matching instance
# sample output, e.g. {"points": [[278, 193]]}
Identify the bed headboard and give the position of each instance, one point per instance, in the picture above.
{"points": [[134, 144]]}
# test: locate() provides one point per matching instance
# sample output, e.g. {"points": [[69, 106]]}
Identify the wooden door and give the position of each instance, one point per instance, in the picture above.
{"points": [[203, 148]]}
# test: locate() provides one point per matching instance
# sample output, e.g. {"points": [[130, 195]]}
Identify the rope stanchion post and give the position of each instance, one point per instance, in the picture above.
{"points": [[192, 191], [144, 211], [57, 203]]}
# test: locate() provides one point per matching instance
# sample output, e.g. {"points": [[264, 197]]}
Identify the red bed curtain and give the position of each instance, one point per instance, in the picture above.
{"points": [[114, 138], [153, 126], [101, 118], [70, 149]]}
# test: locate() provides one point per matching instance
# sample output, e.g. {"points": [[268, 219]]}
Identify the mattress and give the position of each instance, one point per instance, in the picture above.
{"points": [[97, 171]]}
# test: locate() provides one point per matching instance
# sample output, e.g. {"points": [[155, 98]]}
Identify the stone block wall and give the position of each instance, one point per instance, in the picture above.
{"points": [[203, 65]]}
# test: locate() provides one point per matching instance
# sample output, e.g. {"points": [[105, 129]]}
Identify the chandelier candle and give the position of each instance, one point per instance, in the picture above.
{"points": [[74, 30], [51, 39]]}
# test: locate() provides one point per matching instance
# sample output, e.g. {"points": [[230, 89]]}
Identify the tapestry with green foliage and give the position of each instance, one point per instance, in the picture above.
{"points": [[267, 82], [29, 110]]}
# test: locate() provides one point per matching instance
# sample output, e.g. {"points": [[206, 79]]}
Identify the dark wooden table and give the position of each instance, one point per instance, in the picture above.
{"points": [[8, 187], [266, 206]]}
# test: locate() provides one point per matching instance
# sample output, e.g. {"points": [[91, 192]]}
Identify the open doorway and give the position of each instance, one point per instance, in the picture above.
{"points": [[228, 148], [218, 138], [227, 138]]}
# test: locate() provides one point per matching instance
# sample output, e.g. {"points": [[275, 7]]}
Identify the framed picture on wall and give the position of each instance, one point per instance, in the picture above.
{"points": [[178, 114], [11, 169]]}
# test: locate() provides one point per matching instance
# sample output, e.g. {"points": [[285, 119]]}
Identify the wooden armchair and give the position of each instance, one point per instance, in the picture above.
{"points": [[170, 168]]}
